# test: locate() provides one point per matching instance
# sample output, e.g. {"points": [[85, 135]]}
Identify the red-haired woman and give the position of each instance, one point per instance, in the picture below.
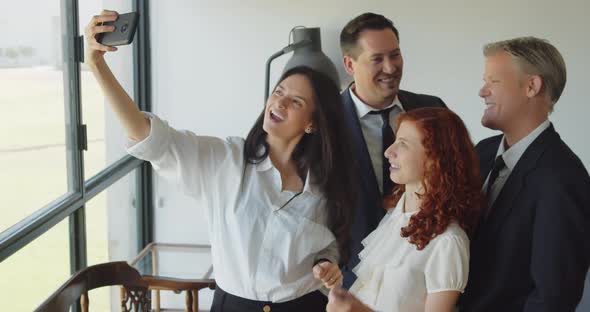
{"points": [[418, 257]]}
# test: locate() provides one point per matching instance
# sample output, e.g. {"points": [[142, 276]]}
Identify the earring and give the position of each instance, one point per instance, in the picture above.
{"points": [[309, 130]]}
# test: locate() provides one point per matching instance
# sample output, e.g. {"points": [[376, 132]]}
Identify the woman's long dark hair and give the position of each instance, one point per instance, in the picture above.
{"points": [[323, 153]]}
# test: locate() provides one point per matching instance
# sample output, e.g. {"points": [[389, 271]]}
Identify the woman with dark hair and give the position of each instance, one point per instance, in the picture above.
{"points": [[278, 203], [418, 257]]}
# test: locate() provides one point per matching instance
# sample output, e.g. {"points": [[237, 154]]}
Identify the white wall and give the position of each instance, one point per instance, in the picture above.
{"points": [[208, 65]]}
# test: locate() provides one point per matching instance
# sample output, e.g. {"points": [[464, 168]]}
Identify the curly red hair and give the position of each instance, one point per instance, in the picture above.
{"points": [[452, 183]]}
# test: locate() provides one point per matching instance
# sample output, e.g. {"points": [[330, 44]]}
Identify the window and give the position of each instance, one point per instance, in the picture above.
{"points": [[55, 195], [32, 133], [111, 233], [105, 144], [26, 280]]}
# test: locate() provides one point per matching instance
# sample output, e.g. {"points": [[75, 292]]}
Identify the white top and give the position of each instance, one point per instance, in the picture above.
{"points": [[371, 125], [394, 276], [263, 241], [511, 157]]}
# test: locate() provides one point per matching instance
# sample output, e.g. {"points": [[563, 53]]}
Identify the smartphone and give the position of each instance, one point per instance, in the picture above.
{"points": [[125, 27]]}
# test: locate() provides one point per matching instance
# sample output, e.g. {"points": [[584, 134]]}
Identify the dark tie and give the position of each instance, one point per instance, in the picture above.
{"points": [[499, 164], [387, 138]]}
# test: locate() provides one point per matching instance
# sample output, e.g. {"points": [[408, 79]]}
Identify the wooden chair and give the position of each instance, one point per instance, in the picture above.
{"points": [[135, 295]]}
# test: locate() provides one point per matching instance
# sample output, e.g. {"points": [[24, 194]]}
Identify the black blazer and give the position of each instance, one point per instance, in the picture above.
{"points": [[533, 250], [370, 209]]}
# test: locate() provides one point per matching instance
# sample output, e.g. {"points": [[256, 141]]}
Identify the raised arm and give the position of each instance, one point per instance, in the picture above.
{"points": [[137, 126]]}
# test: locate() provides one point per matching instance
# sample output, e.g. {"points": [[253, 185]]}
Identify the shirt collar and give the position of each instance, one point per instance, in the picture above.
{"points": [[264, 165], [308, 186], [363, 109], [515, 152]]}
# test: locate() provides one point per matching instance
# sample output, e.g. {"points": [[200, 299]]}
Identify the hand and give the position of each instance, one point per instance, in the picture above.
{"points": [[340, 300], [328, 273], [94, 50]]}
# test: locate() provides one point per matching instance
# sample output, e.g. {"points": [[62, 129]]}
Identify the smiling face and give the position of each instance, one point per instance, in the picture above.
{"points": [[378, 67], [504, 92], [407, 156], [289, 109]]}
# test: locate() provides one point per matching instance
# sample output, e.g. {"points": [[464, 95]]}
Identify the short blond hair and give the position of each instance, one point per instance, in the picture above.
{"points": [[535, 56]]}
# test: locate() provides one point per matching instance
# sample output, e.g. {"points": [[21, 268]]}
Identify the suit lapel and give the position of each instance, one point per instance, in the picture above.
{"points": [[408, 103], [486, 154], [505, 201], [362, 154]]}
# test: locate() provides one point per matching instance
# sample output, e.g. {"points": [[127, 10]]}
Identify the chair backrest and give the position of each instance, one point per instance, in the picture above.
{"points": [[96, 276]]}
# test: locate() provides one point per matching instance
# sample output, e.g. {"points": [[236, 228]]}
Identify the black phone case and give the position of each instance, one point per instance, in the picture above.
{"points": [[125, 27]]}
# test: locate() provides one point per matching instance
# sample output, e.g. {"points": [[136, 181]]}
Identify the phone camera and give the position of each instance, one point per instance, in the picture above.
{"points": [[124, 28]]}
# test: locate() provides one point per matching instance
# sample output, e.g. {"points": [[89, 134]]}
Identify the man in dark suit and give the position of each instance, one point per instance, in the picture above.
{"points": [[531, 250], [371, 53]]}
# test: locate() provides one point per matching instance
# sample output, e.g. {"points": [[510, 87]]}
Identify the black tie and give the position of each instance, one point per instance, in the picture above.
{"points": [[387, 138], [499, 164]]}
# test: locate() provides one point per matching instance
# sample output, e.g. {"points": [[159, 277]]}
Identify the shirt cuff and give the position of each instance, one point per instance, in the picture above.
{"points": [[152, 146]]}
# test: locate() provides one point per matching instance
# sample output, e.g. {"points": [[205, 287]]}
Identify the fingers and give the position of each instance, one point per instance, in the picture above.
{"points": [[102, 18], [102, 28], [328, 273], [318, 271], [334, 281], [107, 12], [105, 16], [333, 276], [95, 45], [95, 27], [321, 269]]}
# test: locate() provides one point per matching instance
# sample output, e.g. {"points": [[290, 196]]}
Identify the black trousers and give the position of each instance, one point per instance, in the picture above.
{"points": [[225, 302]]}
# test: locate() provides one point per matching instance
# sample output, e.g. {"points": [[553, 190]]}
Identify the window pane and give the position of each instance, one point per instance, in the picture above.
{"points": [[105, 144], [33, 273], [111, 229], [32, 132]]}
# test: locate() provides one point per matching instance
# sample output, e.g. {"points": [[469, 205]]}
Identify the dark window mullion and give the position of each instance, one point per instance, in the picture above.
{"points": [[74, 135], [142, 79], [74, 127], [33, 226]]}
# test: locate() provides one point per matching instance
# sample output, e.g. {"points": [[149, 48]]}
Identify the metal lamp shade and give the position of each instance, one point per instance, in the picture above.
{"points": [[311, 55]]}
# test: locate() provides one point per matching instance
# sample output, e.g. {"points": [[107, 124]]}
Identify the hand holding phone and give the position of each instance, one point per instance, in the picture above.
{"points": [[125, 27]]}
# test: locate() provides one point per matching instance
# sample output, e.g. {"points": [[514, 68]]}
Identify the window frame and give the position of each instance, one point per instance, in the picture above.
{"points": [[80, 191]]}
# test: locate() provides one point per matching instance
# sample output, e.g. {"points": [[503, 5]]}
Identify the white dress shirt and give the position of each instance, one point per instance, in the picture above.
{"points": [[511, 157], [371, 125], [264, 241], [394, 276]]}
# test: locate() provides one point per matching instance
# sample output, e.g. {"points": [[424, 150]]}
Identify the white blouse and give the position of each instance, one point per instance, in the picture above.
{"points": [[264, 241], [394, 276]]}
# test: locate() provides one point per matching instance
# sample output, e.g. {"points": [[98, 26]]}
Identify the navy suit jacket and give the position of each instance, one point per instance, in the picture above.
{"points": [[532, 251], [369, 210]]}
